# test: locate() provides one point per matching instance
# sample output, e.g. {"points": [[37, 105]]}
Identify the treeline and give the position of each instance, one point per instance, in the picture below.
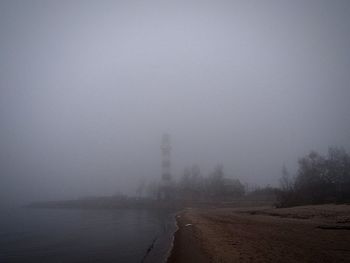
{"points": [[214, 186], [194, 186], [319, 179]]}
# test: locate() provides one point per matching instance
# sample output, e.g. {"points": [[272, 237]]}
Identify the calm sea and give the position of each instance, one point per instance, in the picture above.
{"points": [[68, 235]]}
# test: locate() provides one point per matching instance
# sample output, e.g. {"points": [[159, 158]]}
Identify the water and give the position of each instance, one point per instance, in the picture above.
{"points": [[68, 235]]}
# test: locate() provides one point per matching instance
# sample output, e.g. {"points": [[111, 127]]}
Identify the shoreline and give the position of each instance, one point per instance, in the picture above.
{"points": [[171, 247], [186, 247], [262, 234], [160, 249]]}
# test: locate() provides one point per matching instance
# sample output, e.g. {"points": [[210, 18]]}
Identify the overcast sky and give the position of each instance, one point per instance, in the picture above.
{"points": [[87, 89]]}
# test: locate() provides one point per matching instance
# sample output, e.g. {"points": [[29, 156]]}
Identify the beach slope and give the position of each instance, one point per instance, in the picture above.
{"points": [[301, 234]]}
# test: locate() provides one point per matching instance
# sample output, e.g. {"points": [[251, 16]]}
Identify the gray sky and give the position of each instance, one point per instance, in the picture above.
{"points": [[88, 87]]}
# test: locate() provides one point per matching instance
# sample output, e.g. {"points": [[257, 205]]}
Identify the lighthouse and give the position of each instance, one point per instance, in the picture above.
{"points": [[165, 187]]}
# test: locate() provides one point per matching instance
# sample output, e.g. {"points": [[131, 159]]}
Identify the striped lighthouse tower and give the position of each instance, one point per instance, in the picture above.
{"points": [[165, 187], [166, 159]]}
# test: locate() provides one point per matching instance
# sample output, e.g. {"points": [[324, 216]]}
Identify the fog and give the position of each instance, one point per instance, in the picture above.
{"points": [[87, 88]]}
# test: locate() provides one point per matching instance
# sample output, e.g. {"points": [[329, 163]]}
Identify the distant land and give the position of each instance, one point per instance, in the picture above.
{"points": [[108, 202]]}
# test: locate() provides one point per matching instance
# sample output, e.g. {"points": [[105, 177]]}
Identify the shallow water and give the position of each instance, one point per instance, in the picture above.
{"points": [[68, 235]]}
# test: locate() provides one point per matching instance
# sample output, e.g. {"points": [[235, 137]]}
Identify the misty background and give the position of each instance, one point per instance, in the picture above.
{"points": [[87, 88]]}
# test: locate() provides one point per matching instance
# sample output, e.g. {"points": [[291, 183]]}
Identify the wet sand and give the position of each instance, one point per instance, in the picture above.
{"points": [[300, 234]]}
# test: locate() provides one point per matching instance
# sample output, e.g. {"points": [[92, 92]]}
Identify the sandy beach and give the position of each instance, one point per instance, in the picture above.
{"points": [[300, 234]]}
